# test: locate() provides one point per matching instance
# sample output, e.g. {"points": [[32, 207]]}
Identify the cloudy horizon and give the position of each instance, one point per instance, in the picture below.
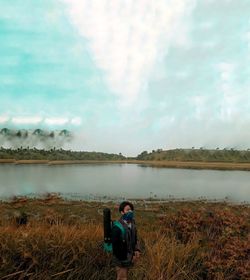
{"points": [[128, 76]]}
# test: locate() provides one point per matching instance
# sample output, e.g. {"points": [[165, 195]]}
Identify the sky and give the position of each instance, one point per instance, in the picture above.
{"points": [[128, 76]]}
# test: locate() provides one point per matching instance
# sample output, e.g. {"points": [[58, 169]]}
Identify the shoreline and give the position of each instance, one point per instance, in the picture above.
{"points": [[165, 164], [74, 197]]}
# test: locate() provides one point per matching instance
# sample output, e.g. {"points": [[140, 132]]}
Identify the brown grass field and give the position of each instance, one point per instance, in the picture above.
{"points": [[161, 163], [179, 239]]}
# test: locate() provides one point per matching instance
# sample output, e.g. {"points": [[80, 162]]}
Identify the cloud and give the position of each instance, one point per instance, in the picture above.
{"points": [[42, 121], [76, 121], [56, 121], [3, 119], [129, 38], [226, 71], [182, 64], [230, 96], [26, 120]]}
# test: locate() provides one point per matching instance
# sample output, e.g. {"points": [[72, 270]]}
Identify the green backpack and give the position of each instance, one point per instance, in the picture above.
{"points": [[108, 245]]}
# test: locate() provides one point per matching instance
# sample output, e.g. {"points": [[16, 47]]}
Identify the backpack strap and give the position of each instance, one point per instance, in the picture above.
{"points": [[122, 229]]}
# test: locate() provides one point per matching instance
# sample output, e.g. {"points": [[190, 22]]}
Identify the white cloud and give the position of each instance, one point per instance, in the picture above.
{"points": [[202, 111], [3, 119], [209, 44], [182, 75], [128, 38], [246, 39], [76, 121], [234, 98], [226, 71], [207, 25], [31, 120], [56, 121], [26, 120]]}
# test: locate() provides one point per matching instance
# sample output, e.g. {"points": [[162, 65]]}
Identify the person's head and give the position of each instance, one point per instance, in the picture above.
{"points": [[126, 208]]}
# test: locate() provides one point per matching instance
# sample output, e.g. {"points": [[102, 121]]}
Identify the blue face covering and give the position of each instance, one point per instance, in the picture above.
{"points": [[128, 216]]}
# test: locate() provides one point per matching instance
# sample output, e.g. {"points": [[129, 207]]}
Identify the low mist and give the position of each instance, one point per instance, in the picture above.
{"points": [[34, 138]]}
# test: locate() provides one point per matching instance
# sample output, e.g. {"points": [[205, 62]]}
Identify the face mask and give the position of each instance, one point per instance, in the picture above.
{"points": [[128, 216]]}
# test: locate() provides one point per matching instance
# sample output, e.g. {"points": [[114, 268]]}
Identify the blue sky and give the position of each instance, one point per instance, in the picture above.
{"points": [[127, 76]]}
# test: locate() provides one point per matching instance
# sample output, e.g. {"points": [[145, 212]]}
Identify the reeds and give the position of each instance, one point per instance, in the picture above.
{"points": [[200, 241], [43, 252]]}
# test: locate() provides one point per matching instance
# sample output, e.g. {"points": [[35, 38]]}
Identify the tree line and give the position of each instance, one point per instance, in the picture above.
{"points": [[200, 155], [55, 154]]}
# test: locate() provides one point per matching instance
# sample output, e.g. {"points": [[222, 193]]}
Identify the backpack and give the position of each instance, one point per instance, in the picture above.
{"points": [[107, 246]]}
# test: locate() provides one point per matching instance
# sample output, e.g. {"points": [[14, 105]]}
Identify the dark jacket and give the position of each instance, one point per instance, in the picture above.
{"points": [[124, 248]]}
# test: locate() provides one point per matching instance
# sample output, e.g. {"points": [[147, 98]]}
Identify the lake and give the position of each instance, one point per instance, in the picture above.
{"points": [[124, 181]]}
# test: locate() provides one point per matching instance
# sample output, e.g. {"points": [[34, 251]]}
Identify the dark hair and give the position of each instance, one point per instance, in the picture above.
{"points": [[124, 204]]}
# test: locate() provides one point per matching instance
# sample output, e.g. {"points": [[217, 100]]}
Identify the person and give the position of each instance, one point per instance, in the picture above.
{"points": [[125, 246]]}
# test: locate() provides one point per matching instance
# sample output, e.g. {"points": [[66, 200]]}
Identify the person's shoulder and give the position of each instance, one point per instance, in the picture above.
{"points": [[116, 225], [117, 228]]}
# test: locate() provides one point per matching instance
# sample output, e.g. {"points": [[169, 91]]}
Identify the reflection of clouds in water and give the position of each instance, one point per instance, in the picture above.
{"points": [[198, 183], [131, 181]]}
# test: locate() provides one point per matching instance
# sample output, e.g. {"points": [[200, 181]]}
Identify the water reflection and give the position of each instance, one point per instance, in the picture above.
{"points": [[124, 180]]}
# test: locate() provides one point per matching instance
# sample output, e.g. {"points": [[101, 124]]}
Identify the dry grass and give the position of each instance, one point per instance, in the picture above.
{"points": [[46, 252], [180, 241]]}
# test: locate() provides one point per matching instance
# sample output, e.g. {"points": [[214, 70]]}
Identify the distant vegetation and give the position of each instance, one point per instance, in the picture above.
{"points": [[184, 155], [201, 155], [55, 154]]}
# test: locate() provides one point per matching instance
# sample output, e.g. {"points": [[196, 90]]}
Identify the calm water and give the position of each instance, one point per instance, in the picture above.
{"points": [[124, 180]]}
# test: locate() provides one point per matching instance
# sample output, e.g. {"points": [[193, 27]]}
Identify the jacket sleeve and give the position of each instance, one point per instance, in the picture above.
{"points": [[119, 250]]}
